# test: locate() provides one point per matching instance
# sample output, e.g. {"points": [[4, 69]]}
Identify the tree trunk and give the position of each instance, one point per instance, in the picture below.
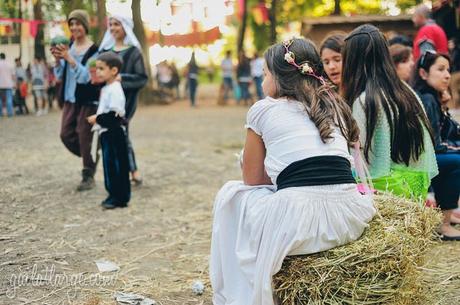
{"points": [[243, 24], [337, 10], [101, 22], [19, 27], [39, 47], [140, 34], [273, 22]]}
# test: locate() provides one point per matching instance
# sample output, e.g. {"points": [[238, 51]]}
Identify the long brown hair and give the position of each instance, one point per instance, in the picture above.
{"points": [[368, 67], [324, 106]]}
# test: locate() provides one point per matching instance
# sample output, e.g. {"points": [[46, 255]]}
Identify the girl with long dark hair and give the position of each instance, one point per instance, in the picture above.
{"points": [[298, 194], [403, 60], [395, 136], [431, 81], [331, 56]]}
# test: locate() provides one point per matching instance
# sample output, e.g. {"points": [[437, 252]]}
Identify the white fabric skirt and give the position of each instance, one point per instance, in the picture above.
{"points": [[255, 228]]}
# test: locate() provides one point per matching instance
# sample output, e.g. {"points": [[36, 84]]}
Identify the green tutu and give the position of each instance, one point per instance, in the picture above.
{"points": [[404, 182]]}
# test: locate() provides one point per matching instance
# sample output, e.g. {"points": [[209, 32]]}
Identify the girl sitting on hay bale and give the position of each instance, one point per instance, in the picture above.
{"points": [[394, 129], [298, 195]]}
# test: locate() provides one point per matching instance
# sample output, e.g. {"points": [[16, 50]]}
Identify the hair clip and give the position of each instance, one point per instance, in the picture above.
{"points": [[290, 57], [424, 56], [287, 43], [305, 68]]}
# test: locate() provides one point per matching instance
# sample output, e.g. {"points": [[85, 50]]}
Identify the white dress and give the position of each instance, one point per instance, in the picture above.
{"points": [[256, 227]]}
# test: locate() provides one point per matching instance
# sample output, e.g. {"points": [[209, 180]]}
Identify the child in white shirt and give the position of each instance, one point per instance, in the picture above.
{"points": [[109, 121]]}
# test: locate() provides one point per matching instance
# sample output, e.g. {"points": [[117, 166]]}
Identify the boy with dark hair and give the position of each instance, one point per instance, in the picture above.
{"points": [[109, 121]]}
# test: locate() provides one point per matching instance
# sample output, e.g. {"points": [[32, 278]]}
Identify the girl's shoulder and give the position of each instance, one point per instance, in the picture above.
{"points": [[268, 105], [265, 104], [258, 114]]}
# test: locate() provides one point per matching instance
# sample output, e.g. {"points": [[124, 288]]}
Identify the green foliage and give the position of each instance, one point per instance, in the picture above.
{"points": [[359, 7], [261, 34], [230, 44], [296, 10], [9, 8], [406, 4]]}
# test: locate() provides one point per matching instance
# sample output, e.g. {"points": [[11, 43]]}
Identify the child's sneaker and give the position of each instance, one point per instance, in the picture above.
{"points": [[110, 204]]}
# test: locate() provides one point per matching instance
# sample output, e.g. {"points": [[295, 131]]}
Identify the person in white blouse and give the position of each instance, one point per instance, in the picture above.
{"points": [[298, 194]]}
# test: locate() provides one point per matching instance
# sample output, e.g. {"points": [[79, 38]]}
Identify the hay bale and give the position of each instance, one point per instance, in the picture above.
{"points": [[382, 267]]}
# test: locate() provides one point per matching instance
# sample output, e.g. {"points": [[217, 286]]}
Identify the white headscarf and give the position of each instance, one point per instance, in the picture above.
{"points": [[108, 41]]}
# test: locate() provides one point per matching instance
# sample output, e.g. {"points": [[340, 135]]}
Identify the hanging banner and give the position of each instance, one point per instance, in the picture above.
{"points": [[29, 26]]}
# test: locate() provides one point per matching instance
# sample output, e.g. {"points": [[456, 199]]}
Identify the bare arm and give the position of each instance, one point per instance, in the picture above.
{"points": [[253, 160]]}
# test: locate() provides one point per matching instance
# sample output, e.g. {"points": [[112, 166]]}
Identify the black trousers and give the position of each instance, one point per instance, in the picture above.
{"points": [[116, 165], [446, 185]]}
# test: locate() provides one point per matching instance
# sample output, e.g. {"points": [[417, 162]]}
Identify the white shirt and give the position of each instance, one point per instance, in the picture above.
{"points": [[112, 99], [257, 67], [6, 75], [38, 73], [227, 67], [289, 135]]}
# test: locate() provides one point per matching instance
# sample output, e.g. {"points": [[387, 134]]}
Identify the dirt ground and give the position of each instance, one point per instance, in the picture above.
{"points": [[51, 235]]}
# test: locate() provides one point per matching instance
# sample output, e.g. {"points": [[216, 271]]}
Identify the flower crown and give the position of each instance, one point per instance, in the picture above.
{"points": [[305, 68], [289, 56]]}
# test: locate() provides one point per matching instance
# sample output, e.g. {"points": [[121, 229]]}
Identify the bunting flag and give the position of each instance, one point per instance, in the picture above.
{"points": [[29, 27], [6, 30], [260, 14], [19, 20], [240, 9]]}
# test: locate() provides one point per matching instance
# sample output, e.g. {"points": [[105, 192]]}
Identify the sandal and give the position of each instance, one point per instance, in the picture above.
{"points": [[450, 238]]}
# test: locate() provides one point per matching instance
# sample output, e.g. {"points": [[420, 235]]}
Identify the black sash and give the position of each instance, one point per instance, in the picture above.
{"points": [[321, 170]]}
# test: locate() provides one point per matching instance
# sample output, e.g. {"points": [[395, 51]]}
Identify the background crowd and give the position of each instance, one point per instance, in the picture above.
{"points": [[17, 83]]}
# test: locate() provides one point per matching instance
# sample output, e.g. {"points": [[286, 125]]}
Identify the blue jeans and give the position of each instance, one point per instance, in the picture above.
{"points": [[228, 86], [6, 96], [258, 83], [245, 95], [446, 184]]}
